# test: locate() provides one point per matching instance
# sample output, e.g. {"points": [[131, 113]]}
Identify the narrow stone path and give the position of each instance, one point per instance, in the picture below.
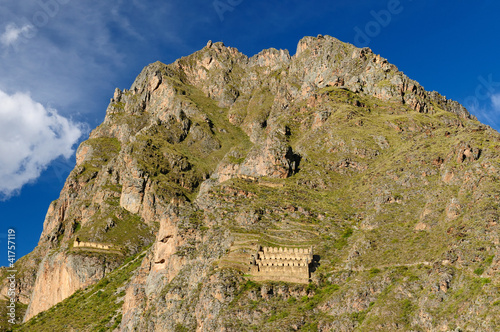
{"points": [[357, 269]]}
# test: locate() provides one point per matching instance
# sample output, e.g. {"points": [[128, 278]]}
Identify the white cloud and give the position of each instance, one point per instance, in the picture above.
{"points": [[495, 101], [12, 33], [486, 112], [31, 136]]}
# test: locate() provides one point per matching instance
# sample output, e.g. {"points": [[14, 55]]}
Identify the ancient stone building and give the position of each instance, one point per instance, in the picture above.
{"points": [[281, 264], [81, 244]]}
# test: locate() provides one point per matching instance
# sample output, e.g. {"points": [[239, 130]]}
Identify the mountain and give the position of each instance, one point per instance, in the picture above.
{"points": [[202, 161]]}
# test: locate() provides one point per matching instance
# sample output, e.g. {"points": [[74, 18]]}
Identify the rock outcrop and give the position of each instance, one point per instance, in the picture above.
{"points": [[61, 275]]}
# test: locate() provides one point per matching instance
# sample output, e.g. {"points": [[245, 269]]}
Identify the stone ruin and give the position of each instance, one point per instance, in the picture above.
{"points": [[281, 264], [81, 244]]}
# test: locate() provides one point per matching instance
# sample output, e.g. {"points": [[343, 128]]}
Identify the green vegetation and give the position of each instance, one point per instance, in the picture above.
{"points": [[281, 310], [384, 83], [407, 309], [178, 155], [5, 325], [101, 151], [374, 271], [180, 328]]}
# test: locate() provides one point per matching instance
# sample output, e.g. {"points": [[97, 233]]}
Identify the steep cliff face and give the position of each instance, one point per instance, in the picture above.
{"points": [[394, 188], [59, 276]]}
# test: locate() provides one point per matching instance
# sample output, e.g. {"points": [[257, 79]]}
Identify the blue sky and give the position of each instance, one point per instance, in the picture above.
{"points": [[60, 61]]}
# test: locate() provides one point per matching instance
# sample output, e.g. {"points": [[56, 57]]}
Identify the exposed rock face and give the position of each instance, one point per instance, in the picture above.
{"points": [[274, 158], [393, 186], [61, 275]]}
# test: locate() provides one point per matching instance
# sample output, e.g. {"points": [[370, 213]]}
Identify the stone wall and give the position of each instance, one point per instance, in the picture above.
{"points": [[81, 244], [281, 264]]}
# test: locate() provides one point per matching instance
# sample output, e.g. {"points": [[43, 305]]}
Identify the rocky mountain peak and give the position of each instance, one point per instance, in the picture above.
{"points": [[207, 158]]}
